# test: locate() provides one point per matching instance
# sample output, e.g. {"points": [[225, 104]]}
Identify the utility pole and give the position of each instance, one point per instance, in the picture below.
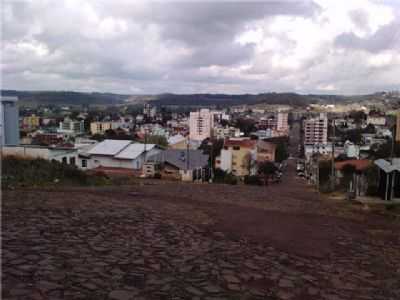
{"points": [[393, 142], [211, 160], [391, 162], [145, 148], [333, 177], [187, 156]]}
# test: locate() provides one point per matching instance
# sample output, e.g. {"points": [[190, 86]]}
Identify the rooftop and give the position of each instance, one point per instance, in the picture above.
{"points": [[247, 143], [134, 150], [8, 99], [109, 147], [359, 164], [179, 158]]}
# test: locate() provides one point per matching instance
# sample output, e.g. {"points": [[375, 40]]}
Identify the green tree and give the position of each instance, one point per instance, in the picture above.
{"points": [[267, 168], [385, 150], [212, 145], [348, 172], [325, 169], [281, 152], [158, 140], [359, 116], [246, 125]]}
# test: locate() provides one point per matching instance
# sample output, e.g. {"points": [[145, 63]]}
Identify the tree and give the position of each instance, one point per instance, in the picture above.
{"points": [[354, 136], [385, 150], [325, 170], [216, 147], [246, 125], [117, 134], [348, 171], [358, 116], [267, 168], [158, 140], [281, 152], [369, 129]]}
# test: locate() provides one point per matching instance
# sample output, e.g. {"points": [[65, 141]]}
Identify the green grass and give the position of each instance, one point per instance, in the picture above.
{"points": [[21, 172]]}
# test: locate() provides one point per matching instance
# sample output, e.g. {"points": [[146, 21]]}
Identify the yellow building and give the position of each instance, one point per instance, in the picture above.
{"points": [[31, 121], [237, 157], [102, 127]]}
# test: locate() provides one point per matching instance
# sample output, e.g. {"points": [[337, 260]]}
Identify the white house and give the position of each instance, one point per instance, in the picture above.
{"points": [[376, 120], [120, 154], [69, 126], [351, 150]]}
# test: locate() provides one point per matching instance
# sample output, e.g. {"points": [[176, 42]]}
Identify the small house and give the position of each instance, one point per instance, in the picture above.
{"points": [[121, 154], [389, 178], [176, 164]]}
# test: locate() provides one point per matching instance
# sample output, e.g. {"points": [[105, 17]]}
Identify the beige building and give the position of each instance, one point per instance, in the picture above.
{"points": [[282, 124], [201, 124], [102, 127], [31, 122], [316, 130]]}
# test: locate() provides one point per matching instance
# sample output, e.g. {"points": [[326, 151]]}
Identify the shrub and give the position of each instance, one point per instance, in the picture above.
{"points": [[230, 179], [252, 180], [372, 190]]}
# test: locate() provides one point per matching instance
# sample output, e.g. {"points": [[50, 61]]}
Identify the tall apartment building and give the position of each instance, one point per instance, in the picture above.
{"points": [[267, 123], [398, 128], [9, 127], [201, 124], [149, 111], [316, 130], [282, 122]]}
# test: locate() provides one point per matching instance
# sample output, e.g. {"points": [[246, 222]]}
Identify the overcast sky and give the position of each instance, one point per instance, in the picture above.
{"points": [[321, 46]]}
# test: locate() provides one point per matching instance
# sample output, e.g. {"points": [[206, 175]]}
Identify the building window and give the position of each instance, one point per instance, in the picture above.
{"points": [[72, 161], [236, 147], [64, 160], [84, 163]]}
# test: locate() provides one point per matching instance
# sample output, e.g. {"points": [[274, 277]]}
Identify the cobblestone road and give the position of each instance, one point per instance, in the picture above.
{"points": [[87, 244]]}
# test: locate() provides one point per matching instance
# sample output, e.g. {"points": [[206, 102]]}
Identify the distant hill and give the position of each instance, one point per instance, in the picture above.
{"points": [[64, 98], [34, 98], [230, 100]]}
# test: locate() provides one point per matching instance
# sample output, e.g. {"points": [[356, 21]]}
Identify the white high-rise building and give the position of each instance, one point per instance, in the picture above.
{"points": [[9, 125], [282, 122], [316, 130], [201, 124]]}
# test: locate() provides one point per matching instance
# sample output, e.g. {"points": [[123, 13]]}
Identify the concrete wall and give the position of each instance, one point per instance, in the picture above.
{"points": [[226, 160], [23, 151], [61, 155]]}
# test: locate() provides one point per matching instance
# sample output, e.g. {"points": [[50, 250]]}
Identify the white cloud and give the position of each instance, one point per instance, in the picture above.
{"points": [[202, 46]]}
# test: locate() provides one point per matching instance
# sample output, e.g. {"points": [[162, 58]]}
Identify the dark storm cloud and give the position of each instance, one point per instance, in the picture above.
{"points": [[387, 37]]}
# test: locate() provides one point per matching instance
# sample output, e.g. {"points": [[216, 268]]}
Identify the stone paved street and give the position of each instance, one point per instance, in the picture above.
{"points": [[129, 243]]}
